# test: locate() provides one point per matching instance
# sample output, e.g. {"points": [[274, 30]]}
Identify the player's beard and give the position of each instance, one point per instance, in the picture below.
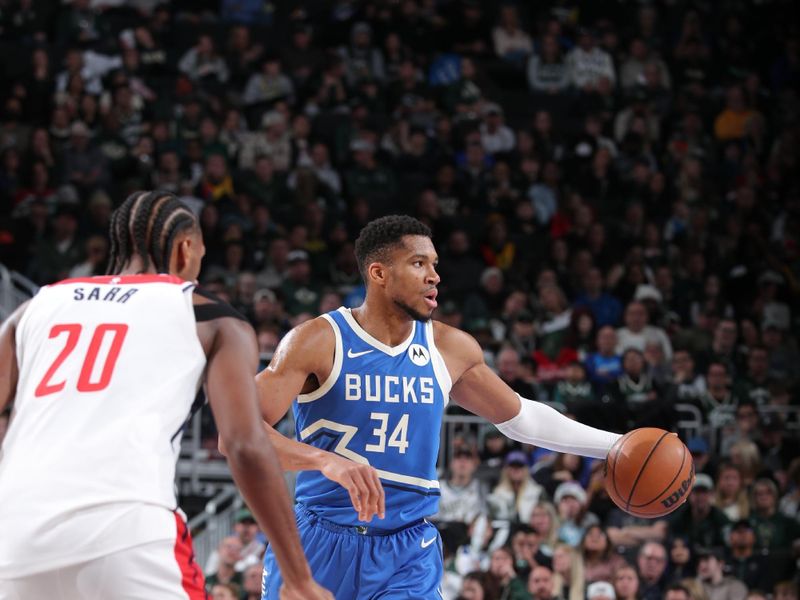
{"points": [[413, 313]]}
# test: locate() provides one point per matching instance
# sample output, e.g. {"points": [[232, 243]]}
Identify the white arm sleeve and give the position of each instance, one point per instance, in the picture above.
{"points": [[541, 425]]}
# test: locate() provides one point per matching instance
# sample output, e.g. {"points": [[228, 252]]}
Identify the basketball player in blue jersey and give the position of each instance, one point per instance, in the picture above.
{"points": [[369, 387]]}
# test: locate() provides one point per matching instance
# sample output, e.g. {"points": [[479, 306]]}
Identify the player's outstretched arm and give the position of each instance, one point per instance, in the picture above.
{"points": [[302, 361], [9, 370], [478, 389], [232, 360]]}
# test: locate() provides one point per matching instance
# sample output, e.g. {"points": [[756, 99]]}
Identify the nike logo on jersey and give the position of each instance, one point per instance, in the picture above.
{"points": [[351, 354], [425, 543]]}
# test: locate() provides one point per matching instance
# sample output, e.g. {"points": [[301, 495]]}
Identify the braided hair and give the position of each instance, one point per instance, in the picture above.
{"points": [[146, 225]]}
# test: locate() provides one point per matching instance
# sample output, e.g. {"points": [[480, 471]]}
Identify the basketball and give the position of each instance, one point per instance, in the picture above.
{"points": [[649, 472]]}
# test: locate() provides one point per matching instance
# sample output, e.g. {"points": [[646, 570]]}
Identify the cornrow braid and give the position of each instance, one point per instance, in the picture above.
{"points": [[180, 220], [120, 235], [162, 229], [146, 225], [141, 226]]}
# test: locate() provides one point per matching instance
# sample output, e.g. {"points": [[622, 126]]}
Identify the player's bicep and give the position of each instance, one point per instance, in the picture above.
{"points": [[229, 379], [305, 351], [9, 369], [483, 393]]}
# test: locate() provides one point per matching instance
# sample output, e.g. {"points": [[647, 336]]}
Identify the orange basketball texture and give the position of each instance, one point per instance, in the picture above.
{"points": [[649, 472]]}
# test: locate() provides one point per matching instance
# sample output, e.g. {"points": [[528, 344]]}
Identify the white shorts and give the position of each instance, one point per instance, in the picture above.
{"points": [[165, 569]]}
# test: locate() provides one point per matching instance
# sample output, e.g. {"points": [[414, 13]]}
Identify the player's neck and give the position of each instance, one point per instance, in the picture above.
{"points": [[387, 326], [135, 267]]}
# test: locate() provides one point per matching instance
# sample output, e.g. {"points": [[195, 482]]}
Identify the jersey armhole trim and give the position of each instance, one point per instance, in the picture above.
{"points": [[439, 366], [335, 370]]}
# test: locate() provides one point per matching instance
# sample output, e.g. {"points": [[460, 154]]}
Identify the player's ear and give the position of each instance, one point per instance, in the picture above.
{"points": [[377, 272]]}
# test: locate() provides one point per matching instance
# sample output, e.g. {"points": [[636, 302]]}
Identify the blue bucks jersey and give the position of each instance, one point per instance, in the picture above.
{"points": [[383, 406]]}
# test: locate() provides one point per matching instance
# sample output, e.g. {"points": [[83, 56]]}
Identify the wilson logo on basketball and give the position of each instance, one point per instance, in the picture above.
{"points": [[675, 496]]}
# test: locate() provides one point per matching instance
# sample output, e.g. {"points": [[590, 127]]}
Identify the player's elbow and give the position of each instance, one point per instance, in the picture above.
{"points": [[246, 448]]}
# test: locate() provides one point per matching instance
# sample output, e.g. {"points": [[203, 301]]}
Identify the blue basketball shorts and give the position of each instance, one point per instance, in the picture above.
{"points": [[362, 563]]}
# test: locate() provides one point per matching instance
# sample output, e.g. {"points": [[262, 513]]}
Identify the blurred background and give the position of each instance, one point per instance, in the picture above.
{"points": [[613, 191]]}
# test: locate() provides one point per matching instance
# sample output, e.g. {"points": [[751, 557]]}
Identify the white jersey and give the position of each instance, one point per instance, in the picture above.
{"points": [[109, 368]]}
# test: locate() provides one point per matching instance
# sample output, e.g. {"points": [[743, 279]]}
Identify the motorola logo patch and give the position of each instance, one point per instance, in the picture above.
{"points": [[419, 355]]}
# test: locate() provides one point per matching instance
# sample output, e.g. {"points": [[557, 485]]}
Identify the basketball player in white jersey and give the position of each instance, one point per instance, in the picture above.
{"points": [[103, 373], [371, 385]]}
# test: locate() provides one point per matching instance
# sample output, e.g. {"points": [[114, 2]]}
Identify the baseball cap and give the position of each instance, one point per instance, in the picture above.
{"points": [[570, 488], [264, 294], [517, 458], [771, 422], [243, 515], [742, 524], [645, 291], [703, 482], [600, 589], [697, 445], [462, 452], [705, 552], [296, 256], [79, 128], [271, 118]]}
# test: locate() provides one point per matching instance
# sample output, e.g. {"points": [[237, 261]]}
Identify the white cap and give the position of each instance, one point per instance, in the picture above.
{"points": [[600, 589], [570, 488], [645, 291]]}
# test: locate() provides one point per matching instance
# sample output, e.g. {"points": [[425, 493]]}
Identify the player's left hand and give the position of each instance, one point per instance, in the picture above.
{"points": [[361, 482]]}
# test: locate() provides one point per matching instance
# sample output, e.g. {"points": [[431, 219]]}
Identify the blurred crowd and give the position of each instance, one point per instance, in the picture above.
{"points": [[614, 196]]}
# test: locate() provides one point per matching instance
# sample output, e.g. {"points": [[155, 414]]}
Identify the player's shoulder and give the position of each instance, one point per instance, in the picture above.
{"points": [[455, 344], [209, 307], [310, 336]]}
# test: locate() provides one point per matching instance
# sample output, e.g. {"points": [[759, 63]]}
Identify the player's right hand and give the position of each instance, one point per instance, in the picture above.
{"points": [[308, 590], [361, 482]]}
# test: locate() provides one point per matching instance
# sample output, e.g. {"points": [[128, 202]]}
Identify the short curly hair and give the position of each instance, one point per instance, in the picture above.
{"points": [[381, 235]]}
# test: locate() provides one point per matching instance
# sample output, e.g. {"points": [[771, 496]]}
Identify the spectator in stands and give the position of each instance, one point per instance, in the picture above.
{"points": [[600, 590], [785, 590], [501, 567], [604, 365], [731, 495], [751, 567], [600, 560], [246, 529], [636, 332], [540, 584], [203, 65], [508, 368], [626, 583], [463, 497], [652, 565], [517, 493], [570, 499], [718, 586], [225, 591], [681, 559], [677, 591], [745, 455], [526, 543], [628, 532], [496, 137], [718, 391], [589, 64], [544, 519], [62, 248], [548, 71], [268, 86], [689, 386], [229, 553], [606, 308], [568, 579], [774, 531], [698, 519], [477, 585], [251, 582], [511, 42]]}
